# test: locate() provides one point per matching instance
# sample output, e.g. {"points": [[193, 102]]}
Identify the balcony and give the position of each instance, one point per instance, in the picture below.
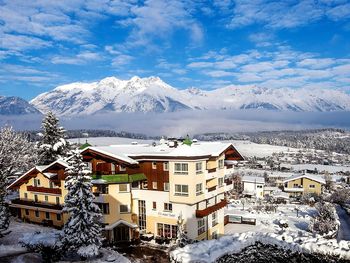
{"points": [[28, 203], [207, 211], [210, 174], [293, 189], [38, 189], [210, 192]]}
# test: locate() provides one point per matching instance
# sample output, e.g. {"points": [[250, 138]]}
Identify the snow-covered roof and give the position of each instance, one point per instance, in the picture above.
{"points": [[312, 177], [117, 223], [128, 153], [253, 179], [41, 169], [270, 188]]}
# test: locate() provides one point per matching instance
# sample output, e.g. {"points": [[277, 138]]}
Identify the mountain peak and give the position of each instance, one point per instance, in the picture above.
{"points": [[151, 94]]}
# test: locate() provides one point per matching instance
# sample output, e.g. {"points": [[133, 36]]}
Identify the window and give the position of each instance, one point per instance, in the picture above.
{"points": [[123, 188], [36, 198], [166, 166], [295, 185], [144, 185], [154, 205], [58, 217], [214, 235], [25, 195], [103, 189], [221, 163], [199, 168], [168, 207], [154, 165], [124, 209], [57, 200], [166, 187], [165, 230], [47, 215], [37, 213], [135, 185], [154, 185], [104, 208], [52, 185], [221, 182], [181, 189], [311, 186], [214, 218], [199, 189], [36, 182], [27, 212], [181, 168], [122, 168], [259, 186], [142, 214], [201, 226], [46, 198]]}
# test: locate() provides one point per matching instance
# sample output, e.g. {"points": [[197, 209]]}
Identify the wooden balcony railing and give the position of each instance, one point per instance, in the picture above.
{"points": [[210, 209], [39, 189]]}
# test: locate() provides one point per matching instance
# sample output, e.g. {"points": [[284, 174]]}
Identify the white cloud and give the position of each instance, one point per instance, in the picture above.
{"points": [[286, 14], [78, 59]]}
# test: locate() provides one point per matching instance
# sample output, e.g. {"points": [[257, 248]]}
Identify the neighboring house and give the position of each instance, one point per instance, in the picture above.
{"points": [[301, 184], [253, 186], [144, 189], [41, 194]]}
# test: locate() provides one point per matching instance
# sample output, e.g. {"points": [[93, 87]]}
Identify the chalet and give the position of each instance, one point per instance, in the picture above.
{"points": [[41, 194], [301, 184]]}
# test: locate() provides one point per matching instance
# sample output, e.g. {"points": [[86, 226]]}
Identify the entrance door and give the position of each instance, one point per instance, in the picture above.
{"points": [[121, 233]]}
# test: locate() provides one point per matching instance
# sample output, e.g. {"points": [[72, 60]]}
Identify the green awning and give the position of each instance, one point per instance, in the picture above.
{"points": [[120, 178]]}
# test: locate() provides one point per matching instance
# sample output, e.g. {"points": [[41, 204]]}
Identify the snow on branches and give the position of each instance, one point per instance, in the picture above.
{"points": [[326, 222], [16, 155], [52, 145], [82, 231]]}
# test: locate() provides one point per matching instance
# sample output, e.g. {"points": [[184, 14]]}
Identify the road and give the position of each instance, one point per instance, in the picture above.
{"points": [[344, 230]]}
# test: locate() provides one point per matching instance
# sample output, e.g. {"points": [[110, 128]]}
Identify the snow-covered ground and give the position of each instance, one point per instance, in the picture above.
{"points": [[12, 251], [268, 222], [250, 149], [246, 148], [104, 141]]}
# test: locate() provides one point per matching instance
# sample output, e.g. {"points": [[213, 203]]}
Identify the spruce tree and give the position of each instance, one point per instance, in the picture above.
{"points": [[82, 231], [52, 145], [16, 155]]}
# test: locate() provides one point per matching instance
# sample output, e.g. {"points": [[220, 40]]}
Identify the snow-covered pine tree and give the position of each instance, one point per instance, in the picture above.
{"points": [[16, 155], [82, 231], [52, 145]]}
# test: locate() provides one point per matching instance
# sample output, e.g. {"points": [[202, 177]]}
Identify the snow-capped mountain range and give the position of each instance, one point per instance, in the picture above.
{"points": [[154, 95], [16, 106]]}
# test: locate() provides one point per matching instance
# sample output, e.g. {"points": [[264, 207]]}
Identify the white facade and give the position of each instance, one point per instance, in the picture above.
{"points": [[253, 186]]}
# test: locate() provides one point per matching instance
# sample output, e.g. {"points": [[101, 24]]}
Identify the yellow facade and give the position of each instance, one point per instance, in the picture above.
{"points": [[308, 185]]}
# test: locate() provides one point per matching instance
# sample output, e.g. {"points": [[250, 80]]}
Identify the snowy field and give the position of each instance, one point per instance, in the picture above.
{"points": [[11, 251], [246, 148]]}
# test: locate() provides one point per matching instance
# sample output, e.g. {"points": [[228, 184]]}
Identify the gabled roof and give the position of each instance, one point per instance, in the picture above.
{"points": [[312, 177], [35, 170], [253, 179]]}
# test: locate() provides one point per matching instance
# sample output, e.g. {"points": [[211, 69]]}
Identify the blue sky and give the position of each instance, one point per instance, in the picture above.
{"points": [[204, 44]]}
